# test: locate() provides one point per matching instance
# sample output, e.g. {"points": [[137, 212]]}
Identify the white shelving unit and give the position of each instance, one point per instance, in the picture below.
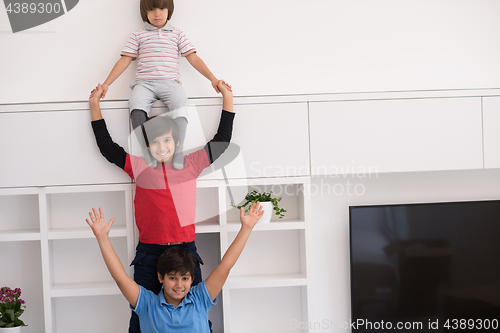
{"points": [[285, 268], [276, 258], [72, 269], [55, 217]]}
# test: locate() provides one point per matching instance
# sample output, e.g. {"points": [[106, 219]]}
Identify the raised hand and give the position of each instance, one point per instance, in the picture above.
{"points": [[99, 226], [254, 214]]}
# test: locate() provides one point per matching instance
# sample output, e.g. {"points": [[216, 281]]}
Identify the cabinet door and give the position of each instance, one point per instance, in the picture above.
{"points": [[58, 148], [273, 140], [491, 127], [367, 137]]}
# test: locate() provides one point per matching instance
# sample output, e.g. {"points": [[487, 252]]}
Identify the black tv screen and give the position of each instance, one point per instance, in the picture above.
{"points": [[425, 267]]}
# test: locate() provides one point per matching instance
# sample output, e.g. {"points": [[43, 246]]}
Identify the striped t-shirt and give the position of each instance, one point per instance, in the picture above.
{"points": [[157, 52]]}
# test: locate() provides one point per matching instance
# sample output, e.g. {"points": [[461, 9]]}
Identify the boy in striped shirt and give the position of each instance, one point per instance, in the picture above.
{"points": [[157, 48]]}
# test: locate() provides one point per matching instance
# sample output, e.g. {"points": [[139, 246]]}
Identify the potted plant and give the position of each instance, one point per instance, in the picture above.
{"points": [[11, 308], [268, 203]]}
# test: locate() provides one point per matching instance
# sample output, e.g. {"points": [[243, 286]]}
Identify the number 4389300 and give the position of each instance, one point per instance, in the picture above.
{"points": [[41, 8]]}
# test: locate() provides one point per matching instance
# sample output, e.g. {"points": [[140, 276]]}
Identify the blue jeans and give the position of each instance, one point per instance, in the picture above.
{"points": [[145, 273]]}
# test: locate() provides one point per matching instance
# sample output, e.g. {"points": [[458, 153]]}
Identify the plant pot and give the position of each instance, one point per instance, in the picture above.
{"points": [[268, 212], [16, 329]]}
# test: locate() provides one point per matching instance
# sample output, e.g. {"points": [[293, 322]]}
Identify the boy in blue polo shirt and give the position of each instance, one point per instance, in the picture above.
{"points": [[179, 307]]}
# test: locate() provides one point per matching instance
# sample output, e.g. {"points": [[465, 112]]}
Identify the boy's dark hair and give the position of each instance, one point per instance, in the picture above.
{"points": [[158, 126], [152, 4], [176, 260]]}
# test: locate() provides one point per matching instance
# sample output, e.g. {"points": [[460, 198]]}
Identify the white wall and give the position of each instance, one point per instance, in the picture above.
{"points": [[266, 47]]}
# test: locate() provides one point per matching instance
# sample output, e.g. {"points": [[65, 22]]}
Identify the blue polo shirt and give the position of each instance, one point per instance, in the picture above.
{"points": [[191, 315]]}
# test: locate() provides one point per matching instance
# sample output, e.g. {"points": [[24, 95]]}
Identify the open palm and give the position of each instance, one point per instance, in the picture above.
{"points": [[254, 214], [99, 226]]}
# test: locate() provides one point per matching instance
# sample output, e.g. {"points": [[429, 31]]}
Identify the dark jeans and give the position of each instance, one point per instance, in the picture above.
{"points": [[145, 273]]}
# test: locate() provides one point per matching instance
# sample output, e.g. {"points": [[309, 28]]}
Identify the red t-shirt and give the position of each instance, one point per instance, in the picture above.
{"points": [[165, 198]]}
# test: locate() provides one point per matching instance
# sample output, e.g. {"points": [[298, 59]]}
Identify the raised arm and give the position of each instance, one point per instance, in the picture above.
{"points": [[227, 96], [129, 288], [222, 138], [113, 152], [95, 108], [219, 275]]}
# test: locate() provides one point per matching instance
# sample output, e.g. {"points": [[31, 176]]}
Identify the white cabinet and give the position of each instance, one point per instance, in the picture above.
{"points": [[56, 175], [67, 263], [270, 285], [76, 285], [269, 140], [58, 148], [273, 140], [353, 137], [72, 268], [491, 128]]}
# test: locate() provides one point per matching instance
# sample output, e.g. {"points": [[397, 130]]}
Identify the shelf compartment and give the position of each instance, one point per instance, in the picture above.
{"points": [[96, 314], [292, 201], [266, 310], [22, 268], [20, 215], [269, 253], [79, 261], [267, 281], [69, 210], [207, 208]]}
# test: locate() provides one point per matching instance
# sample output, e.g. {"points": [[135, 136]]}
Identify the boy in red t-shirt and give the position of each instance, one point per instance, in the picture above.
{"points": [[165, 199]]}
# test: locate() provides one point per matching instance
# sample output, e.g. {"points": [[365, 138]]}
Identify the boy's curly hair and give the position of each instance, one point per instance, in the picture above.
{"points": [[176, 260], [152, 4]]}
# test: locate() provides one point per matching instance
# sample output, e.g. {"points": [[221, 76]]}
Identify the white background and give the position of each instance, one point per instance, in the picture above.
{"points": [[266, 47]]}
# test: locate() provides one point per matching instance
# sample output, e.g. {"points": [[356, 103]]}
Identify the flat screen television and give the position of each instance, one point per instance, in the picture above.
{"points": [[436, 264]]}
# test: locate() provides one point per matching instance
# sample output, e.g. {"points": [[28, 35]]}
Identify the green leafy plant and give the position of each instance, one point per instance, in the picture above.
{"points": [[255, 196], [11, 307]]}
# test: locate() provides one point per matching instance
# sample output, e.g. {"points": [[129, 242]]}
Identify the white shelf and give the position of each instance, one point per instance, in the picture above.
{"points": [[82, 233], [19, 235], [267, 281], [207, 227], [85, 289], [273, 225]]}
